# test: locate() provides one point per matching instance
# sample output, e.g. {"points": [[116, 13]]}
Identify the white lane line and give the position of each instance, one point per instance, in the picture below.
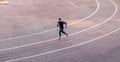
{"points": [[74, 45], [98, 6], [46, 40]]}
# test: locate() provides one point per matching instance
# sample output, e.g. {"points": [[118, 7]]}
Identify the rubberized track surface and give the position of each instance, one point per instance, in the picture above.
{"points": [[29, 33]]}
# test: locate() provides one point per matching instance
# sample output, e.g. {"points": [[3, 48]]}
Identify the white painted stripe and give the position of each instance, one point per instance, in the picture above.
{"points": [[74, 45], [98, 6]]}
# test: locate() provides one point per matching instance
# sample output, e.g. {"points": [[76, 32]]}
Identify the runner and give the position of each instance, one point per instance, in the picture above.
{"points": [[61, 24]]}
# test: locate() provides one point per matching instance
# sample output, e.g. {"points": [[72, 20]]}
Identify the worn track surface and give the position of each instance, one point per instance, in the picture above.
{"points": [[28, 31]]}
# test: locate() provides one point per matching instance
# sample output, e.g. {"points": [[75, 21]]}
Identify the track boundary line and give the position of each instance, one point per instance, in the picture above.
{"points": [[77, 44]]}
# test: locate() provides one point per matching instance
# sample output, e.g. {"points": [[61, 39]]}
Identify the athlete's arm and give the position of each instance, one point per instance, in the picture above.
{"points": [[65, 24], [57, 24]]}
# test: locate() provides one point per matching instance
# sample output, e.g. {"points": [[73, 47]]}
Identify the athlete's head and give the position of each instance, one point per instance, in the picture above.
{"points": [[60, 18]]}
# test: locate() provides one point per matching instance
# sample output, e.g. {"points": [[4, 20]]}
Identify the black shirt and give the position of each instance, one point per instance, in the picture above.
{"points": [[61, 24]]}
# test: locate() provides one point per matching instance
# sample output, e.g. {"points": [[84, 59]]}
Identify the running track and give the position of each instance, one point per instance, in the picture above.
{"points": [[93, 39]]}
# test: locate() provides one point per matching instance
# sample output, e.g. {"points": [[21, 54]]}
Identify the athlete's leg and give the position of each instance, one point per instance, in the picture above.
{"points": [[60, 34], [64, 32]]}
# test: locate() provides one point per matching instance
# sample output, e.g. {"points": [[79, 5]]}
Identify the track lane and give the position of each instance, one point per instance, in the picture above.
{"points": [[73, 45]]}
